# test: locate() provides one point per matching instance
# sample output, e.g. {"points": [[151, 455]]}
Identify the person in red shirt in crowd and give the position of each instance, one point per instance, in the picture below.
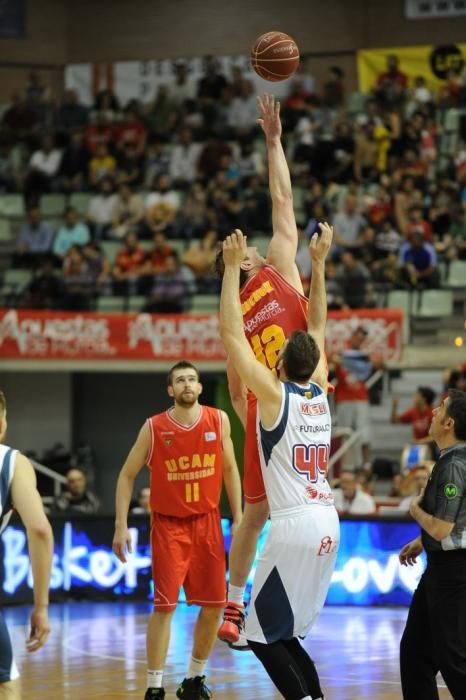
{"points": [[189, 452], [353, 368], [417, 224], [95, 134], [160, 252], [392, 84], [132, 131], [419, 415], [129, 265]]}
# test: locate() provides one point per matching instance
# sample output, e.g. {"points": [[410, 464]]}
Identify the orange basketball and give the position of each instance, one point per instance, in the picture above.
{"points": [[275, 56]]}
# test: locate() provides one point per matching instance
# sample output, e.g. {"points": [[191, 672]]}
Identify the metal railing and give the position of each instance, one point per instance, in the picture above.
{"points": [[57, 478], [349, 436]]}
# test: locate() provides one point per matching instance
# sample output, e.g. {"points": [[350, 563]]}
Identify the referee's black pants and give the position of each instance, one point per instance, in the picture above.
{"points": [[435, 634]]}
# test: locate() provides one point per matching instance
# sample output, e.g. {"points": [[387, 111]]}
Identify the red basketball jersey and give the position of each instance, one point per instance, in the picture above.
{"points": [[272, 309], [186, 463]]}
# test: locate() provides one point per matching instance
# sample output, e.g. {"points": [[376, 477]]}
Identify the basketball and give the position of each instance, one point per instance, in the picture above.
{"points": [[275, 56]]}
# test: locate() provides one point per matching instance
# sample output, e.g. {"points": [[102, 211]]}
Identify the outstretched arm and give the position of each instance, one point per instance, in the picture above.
{"points": [[254, 375], [284, 244], [317, 310]]}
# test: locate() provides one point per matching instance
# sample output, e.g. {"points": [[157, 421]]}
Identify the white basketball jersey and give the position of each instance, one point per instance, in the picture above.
{"points": [[7, 468], [294, 452]]}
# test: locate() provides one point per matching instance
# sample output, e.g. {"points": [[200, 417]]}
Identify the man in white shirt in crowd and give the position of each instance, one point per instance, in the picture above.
{"points": [[420, 475], [350, 499]]}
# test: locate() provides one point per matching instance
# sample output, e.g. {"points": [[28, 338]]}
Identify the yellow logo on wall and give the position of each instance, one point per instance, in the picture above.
{"points": [[434, 63]]}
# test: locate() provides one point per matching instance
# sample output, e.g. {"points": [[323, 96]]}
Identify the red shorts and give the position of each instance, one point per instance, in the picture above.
{"points": [[188, 552], [253, 483]]}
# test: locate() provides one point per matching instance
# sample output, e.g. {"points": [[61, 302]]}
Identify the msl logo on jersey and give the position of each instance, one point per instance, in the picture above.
{"points": [[313, 409]]}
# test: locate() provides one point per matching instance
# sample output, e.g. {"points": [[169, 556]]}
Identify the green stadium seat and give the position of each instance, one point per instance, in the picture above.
{"points": [[52, 205], [111, 304], [16, 279], [435, 303], [400, 299], [80, 201], [298, 202], [5, 231], [456, 276], [205, 303], [110, 249], [261, 243], [12, 205], [136, 303]]}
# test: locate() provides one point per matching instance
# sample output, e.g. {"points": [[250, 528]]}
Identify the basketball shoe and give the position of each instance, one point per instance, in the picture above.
{"points": [[194, 689], [231, 630], [154, 694]]}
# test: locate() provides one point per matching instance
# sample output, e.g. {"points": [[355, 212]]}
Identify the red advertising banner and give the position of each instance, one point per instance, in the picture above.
{"points": [[55, 335]]}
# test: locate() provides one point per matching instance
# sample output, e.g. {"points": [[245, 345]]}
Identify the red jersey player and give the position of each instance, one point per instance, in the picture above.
{"points": [[189, 452], [273, 306]]}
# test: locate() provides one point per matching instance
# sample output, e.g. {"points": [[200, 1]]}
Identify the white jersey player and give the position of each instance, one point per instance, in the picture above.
{"points": [[293, 433]]}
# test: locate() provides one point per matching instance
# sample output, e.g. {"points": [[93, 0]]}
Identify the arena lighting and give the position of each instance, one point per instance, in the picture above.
{"points": [[367, 570]]}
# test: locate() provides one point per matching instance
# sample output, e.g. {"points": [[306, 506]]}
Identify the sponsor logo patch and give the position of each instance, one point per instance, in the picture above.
{"points": [[210, 436], [313, 409], [450, 491]]}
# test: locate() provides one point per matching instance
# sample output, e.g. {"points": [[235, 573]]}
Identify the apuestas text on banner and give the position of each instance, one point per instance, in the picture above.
{"points": [[94, 336], [434, 63]]}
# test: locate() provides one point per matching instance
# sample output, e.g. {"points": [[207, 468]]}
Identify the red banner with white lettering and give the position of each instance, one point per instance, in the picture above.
{"points": [[93, 336]]}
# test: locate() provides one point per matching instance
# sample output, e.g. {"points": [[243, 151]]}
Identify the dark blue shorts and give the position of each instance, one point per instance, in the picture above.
{"points": [[8, 670]]}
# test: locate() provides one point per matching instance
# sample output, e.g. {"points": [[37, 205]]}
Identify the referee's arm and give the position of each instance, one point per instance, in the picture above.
{"points": [[435, 527]]}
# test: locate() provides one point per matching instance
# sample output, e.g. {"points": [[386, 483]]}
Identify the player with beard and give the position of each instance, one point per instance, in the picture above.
{"points": [[189, 452]]}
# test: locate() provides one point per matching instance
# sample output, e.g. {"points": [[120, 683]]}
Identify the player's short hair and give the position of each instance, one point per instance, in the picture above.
{"points": [[427, 394], [219, 267], [2, 404], [301, 356], [456, 409], [183, 364]]}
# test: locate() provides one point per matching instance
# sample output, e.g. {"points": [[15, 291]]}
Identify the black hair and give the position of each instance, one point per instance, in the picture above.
{"points": [[456, 409], [427, 394], [301, 356], [183, 364]]}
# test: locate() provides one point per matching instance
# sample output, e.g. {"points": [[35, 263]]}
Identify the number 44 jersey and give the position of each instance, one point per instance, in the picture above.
{"points": [[272, 309], [186, 463], [294, 452]]}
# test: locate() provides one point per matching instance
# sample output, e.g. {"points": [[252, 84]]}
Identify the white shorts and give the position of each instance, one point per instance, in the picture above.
{"points": [[355, 415], [293, 573]]}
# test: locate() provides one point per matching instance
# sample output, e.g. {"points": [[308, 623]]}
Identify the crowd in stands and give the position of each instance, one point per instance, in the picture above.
{"points": [[191, 165]]}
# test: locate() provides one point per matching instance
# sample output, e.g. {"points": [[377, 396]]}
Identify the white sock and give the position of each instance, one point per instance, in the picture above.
{"points": [[196, 667], [308, 697], [154, 679], [236, 594]]}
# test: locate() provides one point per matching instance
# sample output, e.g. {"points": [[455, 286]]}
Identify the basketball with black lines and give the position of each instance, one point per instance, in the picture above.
{"points": [[275, 56]]}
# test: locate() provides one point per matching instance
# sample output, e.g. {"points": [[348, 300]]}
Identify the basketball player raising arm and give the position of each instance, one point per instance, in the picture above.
{"points": [[293, 437], [18, 475]]}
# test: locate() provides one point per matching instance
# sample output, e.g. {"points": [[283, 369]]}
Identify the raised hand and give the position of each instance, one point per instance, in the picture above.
{"points": [[270, 116], [234, 248], [320, 244]]}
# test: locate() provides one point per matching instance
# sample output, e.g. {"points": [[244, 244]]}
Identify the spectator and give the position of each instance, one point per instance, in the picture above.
{"points": [[333, 287], [200, 258], [184, 160], [97, 264], [417, 224], [71, 114], [454, 243], [101, 165], [77, 498], [348, 224], [162, 116], [160, 252], [419, 415], [106, 106], [242, 117], [391, 85], [210, 159], [183, 88], [212, 84], [194, 215], [157, 162], [170, 291], [43, 168], [35, 238], [20, 120], [353, 278], [11, 176], [72, 233], [46, 289], [249, 161], [36, 93], [130, 265], [256, 207], [77, 279], [100, 131], [350, 499], [420, 477], [162, 192], [333, 90], [131, 132], [74, 166], [143, 506], [128, 211], [418, 263], [353, 369], [101, 207], [130, 165]]}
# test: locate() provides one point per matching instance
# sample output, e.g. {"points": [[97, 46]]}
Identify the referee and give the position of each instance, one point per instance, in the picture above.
{"points": [[434, 638]]}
